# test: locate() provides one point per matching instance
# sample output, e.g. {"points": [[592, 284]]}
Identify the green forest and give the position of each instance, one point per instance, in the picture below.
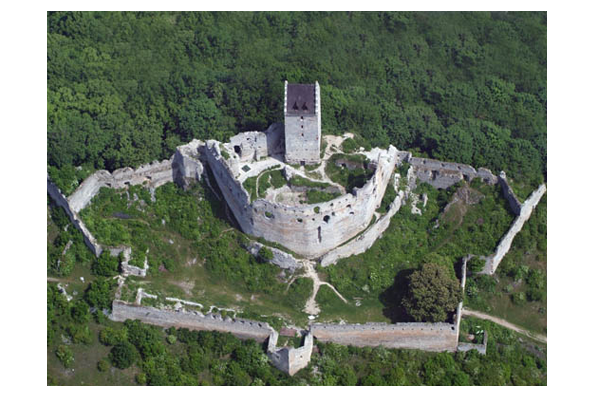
{"points": [[126, 88]]}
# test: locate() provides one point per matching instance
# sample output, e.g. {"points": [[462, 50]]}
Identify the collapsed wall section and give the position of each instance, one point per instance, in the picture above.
{"points": [[442, 175], [424, 336]]}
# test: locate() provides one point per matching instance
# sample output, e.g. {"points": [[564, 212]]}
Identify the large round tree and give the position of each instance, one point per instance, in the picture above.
{"points": [[433, 293]]}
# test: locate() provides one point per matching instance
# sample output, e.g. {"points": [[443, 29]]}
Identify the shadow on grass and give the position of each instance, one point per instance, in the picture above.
{"points": [[392, 298]]}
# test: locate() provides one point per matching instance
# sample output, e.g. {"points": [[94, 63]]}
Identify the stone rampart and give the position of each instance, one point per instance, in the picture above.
{"points": [[184, 164], [193, 320], [423, 336], [289, 359], [509, 194], [153, 175], [61, 200], [504, 245], [442, 175], [309, 230], [365, 240]]}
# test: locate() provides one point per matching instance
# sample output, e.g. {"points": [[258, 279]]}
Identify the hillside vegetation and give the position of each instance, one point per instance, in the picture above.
{"points": [[127, 88]]}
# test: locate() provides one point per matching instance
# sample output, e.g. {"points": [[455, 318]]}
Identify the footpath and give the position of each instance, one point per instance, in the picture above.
{"points": [[503, 323]]}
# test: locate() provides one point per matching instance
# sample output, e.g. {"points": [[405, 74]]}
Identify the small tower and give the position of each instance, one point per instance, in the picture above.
{"points": [[303, 123]]}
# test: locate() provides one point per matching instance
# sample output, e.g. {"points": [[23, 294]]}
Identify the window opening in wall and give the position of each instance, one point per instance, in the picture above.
{"points": [[295, 106], [299, 220], [319, 234], [327, 218], [304, 107], [302, 162], [237, 149]]}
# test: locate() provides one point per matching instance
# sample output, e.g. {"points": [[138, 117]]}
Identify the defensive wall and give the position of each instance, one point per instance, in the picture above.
{"points": [[493, 261], [290, 359], [508, 193], [56, 194], [366, 239], [193, 320], [309, 230], [279, 258], [184, 164], [424, 336], [304, 229], [441, 174]]}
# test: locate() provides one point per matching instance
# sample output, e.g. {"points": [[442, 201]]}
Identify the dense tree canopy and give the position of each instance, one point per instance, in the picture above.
{"points": [[125, 88], [433, 293]]}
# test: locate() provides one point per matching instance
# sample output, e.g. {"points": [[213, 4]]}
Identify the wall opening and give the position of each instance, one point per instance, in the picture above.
{"points": [[327, 218], [237, 149], [319, 234]]}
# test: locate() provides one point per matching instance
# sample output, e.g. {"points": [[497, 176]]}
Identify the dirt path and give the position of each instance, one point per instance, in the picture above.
{"points": [[311, 306], [503, 323]]}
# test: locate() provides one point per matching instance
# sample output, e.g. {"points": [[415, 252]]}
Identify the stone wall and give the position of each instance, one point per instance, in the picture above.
{"points": [[193, 320], [442, 175], [504, 245], [279, 258], [365, 240], [61, 200], [289, 359], [509, 194], [153, 175], [185, 164], [423, 336], [309, 230]]}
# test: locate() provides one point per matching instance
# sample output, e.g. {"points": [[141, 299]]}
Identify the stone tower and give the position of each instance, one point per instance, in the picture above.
{"points": [[303, 123]]}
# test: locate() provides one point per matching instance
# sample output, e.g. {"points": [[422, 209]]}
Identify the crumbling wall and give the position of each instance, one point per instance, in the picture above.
{"points": [[309, 230], [193, 320], [504, 245], [61, 200], [289, 359], [365, 240], [184, 164], [249, 146], [424, 336], [509, 194], [481, 348], [442, 175], [279, 258]]}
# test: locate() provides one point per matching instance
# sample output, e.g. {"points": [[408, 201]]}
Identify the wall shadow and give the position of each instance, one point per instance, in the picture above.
{"points": [[392, 297]]}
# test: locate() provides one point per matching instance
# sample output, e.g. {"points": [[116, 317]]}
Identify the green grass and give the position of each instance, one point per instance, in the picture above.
{"points": [[345, 177], [250, 185]]}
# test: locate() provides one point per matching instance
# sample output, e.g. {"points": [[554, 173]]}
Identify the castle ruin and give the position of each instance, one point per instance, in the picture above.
{"points": [[326, 231]]}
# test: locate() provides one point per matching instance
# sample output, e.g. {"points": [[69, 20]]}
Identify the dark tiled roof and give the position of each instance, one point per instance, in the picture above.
{"points": [[301, 98]]}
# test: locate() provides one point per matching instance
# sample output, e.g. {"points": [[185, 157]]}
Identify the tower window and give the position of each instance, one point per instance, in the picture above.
{"points": [[295, 106]]}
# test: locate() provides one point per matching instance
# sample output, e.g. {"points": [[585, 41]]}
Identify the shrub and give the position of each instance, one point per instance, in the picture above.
{"points": [[123, 355], [103, 365], [475, 264], [266, 254], [65, 356]]}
